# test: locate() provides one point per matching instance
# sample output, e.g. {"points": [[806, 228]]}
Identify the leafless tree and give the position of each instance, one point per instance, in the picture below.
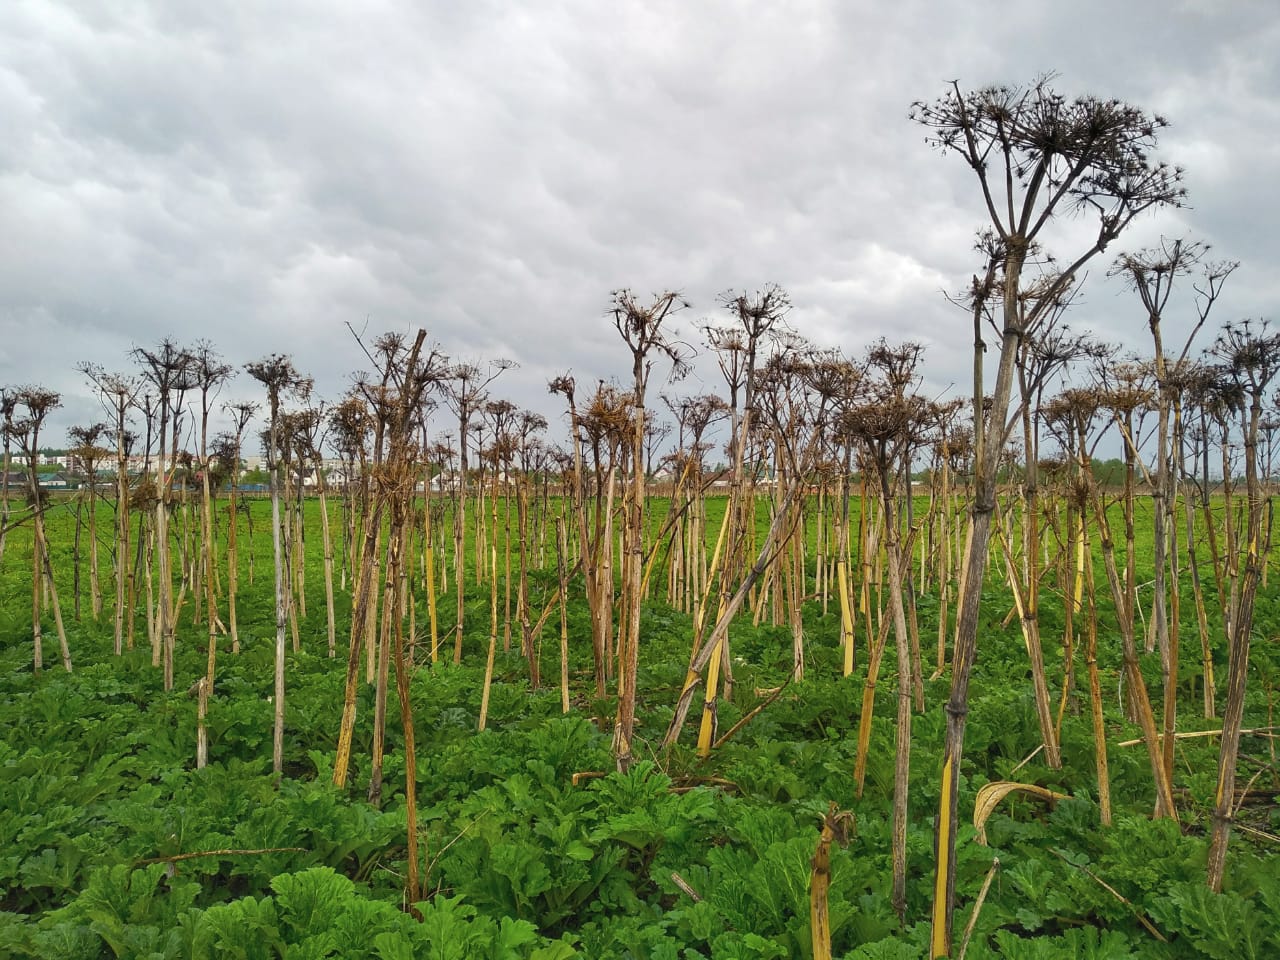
{"points": [[208, 373], [87, 453], [310, 426], [280, 378], [1152, 274], [170, 370], [1071, 416], [588, 539], [32, 406], [406, 372], [641, 327], [465, 391], [241, 413], [1249, 355], [890, 422], [1036, 154], [117, 393]]}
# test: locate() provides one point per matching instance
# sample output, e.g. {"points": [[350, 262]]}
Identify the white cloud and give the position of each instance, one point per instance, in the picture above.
{"points": [[262, 174]]}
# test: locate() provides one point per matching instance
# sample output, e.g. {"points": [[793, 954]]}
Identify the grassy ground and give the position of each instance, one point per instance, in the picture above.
{"points": [[101, 806]]}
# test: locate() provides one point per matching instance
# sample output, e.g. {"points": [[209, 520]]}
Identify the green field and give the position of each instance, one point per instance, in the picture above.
{"points": [[113, 844]]}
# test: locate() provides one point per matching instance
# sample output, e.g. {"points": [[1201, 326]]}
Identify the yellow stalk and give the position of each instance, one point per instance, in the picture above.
{"points": [[846, 615], [700, 612], [939, 946], [991, 794], [706, 729], [835, 827]]}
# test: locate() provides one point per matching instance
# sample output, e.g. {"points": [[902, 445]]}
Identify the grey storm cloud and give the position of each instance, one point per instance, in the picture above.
{"points": [[263, 175]]}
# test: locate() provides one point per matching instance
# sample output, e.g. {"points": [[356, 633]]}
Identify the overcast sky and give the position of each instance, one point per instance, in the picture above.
{"points": [[262, 174]]}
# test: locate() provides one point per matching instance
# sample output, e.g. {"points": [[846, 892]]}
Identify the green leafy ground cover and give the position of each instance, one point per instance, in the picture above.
{"points": [[99, 801]]}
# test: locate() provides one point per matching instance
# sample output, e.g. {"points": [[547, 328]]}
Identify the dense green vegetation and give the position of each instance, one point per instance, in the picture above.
{"points": [[113, 844], [482, 709]]}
